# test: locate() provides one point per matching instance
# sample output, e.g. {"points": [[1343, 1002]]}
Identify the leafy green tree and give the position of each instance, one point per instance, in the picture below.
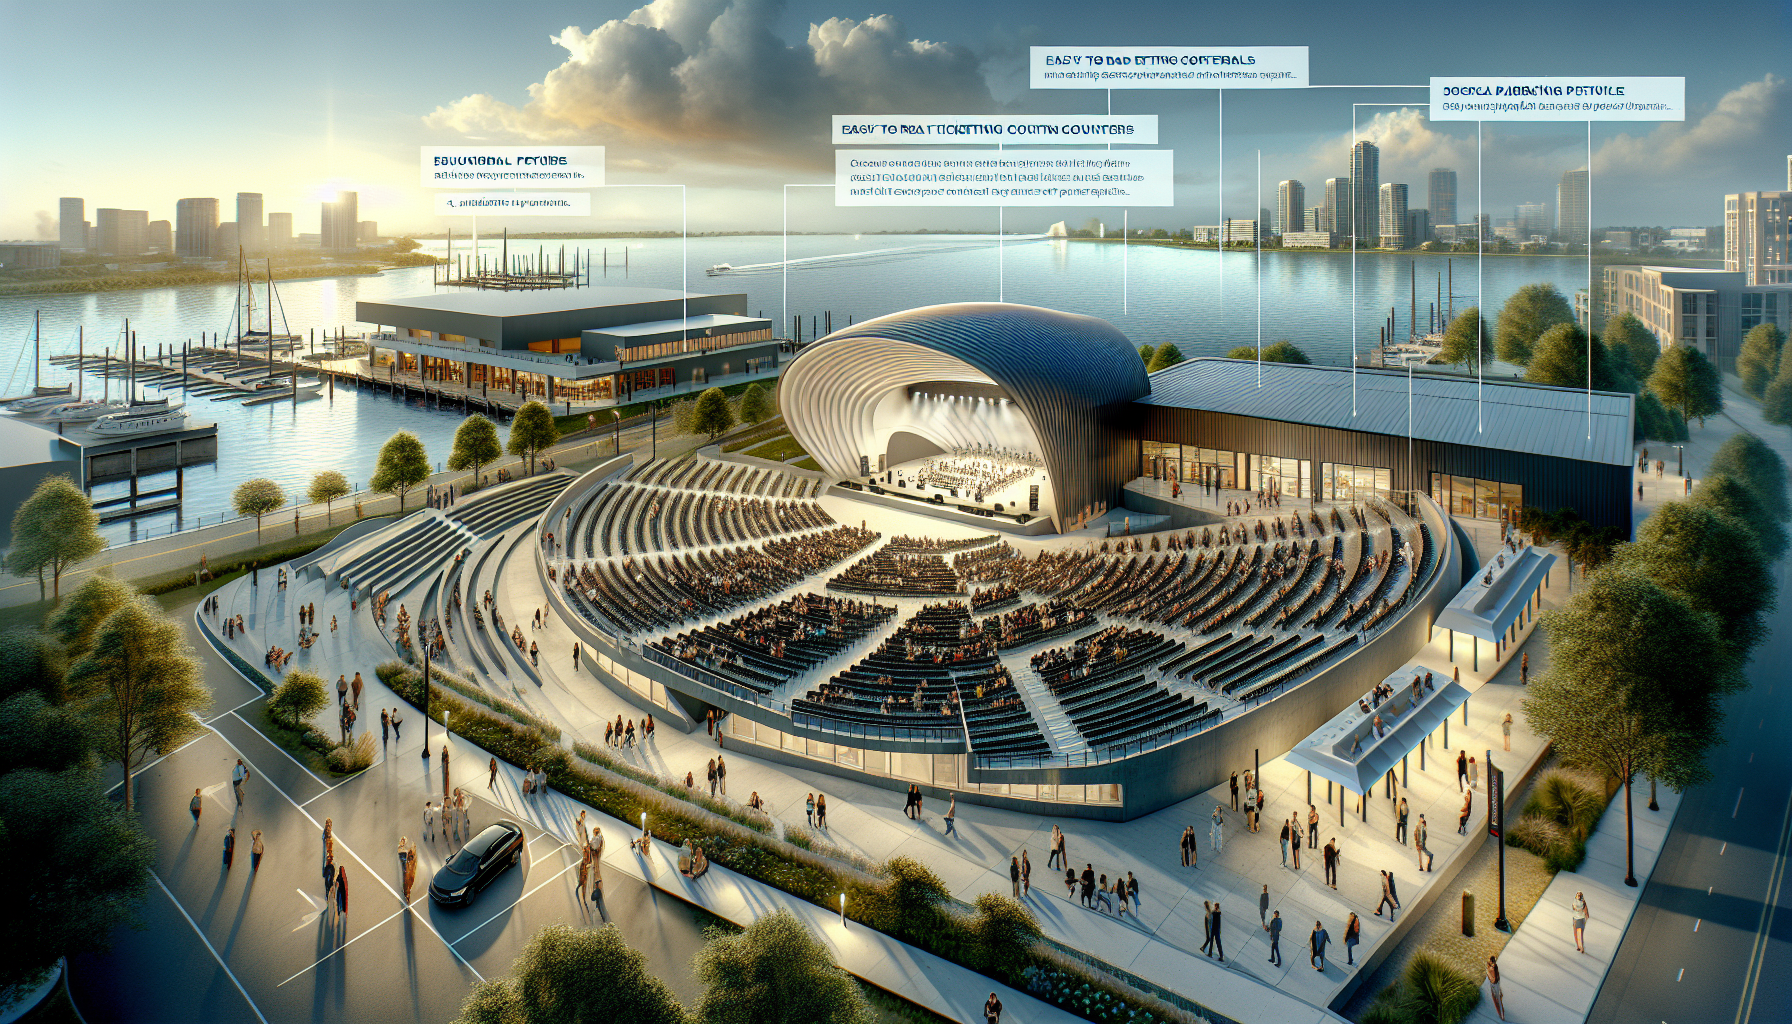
{"points": [[37, 734], [1776, 398], [257, 498], [77, 866], [1713, 563], [1145, 354], [1759, 359], [1006, 933], [1530, 311], [569, 975], [533, 432], [138, 687], [1685, 380], [1460, 344], [326, 486], [75, 622], [712, 415], [1625, 332], [28, 663], [775, 972], [684, 416], [52, 530], [1283, 351], [755, 405], [1561, 355], [1652, 420], [475, 445], [1632, 685], [402, 465], [299, 696], [1733, 498], [1164, 356], [1749, 459], [908, 902]]}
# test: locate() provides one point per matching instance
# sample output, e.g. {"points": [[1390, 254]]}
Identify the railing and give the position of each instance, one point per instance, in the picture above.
{"points": [[702, 675], [870, 730]]}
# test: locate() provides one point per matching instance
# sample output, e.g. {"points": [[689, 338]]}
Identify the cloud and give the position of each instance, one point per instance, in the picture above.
{"points": [[707, 80], [1755, 119], [46, 224]]}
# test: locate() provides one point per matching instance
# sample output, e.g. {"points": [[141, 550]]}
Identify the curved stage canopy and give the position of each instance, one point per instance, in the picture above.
{"points": [[1070, 377]]}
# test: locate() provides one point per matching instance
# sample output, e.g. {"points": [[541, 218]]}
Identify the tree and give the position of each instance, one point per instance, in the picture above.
{"points": [[1530, 311], [138, 687], [1626, 333], [475, 445], [532, 432], [775, 972], [1776, 399], [74, 623], [27, 663], [1561, 355], [755, 405], [403, 464], [1748, 459], [326, 486], [684, 416], [1759, 359], [1164, 356], [1713, 563], [1145, 354], [1685, 380], [37, 734], [571, 975], [1731, 497], [907, 903], [1006, 933], [1283, 351], [52, 530], [1460, 342], [712, 415], [299, 696], [257, 498], [77, 867], [1632, 684]]}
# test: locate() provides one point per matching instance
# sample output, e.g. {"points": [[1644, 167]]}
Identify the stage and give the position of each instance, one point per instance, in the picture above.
{"points": [[973, 487]]}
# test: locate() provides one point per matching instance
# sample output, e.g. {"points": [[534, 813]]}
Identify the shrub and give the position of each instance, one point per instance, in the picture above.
{"points": [[299, 696], [352, 757], [1567, 802], [1537, 834], [1432, 990], [1006, 932]]}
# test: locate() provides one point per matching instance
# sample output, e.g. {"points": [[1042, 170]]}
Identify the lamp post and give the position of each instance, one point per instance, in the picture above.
{"points": [[426, 649], [617, 413], [1680, 451]]}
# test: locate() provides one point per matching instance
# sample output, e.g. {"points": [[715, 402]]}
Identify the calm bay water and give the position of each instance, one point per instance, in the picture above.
{"points": [[1205, 302]]}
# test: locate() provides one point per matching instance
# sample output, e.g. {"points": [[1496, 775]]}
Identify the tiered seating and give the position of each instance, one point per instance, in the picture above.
{"points": [[898, 575], [772, 645], [393, 561], [1099, 683], [1034, 623], [505, 508], [985, 564], [665, 504]]}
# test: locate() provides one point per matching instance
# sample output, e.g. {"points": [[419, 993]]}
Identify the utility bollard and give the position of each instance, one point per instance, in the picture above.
{"points": [[1468, 913]]}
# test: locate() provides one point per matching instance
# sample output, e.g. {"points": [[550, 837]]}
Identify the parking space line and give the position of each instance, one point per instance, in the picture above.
{"points": [[519, 901], [400, 912], [208, 945]]}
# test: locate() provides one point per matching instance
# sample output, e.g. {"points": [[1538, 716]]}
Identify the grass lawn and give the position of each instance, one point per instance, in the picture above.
{"points": [[286, 738], [779, 449], [807, 462], [769, 429]]}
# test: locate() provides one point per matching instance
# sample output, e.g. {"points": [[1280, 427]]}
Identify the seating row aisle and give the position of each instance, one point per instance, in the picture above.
{"points": [[770, 646]]}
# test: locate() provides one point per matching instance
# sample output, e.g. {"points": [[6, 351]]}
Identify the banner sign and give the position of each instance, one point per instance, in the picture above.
{"points": [[1167, 67], [513, 166], [1586, 98]]}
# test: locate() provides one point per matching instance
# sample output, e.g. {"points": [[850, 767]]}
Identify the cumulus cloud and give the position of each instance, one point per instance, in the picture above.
{"points": [[1755, 119], [708, 79], [1409, 146]]}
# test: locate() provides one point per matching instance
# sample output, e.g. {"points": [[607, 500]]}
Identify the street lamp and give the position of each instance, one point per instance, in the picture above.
{"points": [[617, 413], [1680, 449], [426, 649]]}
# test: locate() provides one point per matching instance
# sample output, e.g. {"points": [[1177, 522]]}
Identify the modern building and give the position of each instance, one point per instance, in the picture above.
{"points": [[340, 220], [1311, 220], [196, 228], [1573, 208], [229, 241], [72, 227], [160, 236], [1365, 192], [279, 230], [1232, 232], [1418, 227], [1291, 206], [1309, 240], [1758, 236], [367, 231], [1530, 222], [122, 232], [250, 231], [1621, 239], [1442, 196], [30, 255], [1336, 217], [28, 454], [1392, 222], [1706, 309], [585, 346]]}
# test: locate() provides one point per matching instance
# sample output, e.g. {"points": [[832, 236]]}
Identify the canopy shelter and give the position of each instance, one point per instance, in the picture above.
{"points": [[1363, 742], [1497, 598]]}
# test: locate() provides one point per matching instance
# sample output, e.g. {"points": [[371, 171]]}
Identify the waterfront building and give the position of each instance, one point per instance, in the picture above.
{"points": [[1707, 309], [339, 221], [1336, 217], [249, 229], [160, 236], [229, 241], [1310, 220], [73, 224], [1530, 222], [1418, 227], [1309, 240], [1365, 192], [279, 230], [1758, 236], [122, 232], [1291, 203], [1572, 210], [367, 231], [1392, 222], [30, 255], [196, 228], [1442, 196]]}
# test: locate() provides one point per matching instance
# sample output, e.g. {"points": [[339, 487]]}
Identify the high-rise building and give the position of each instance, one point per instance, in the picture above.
{"points": [[1392, 224], [339, 222], [1311, 219], [122, 232], [160, 236], [196, 228], [229, 241], [248, 221], [1291, 206], [1530, 221], [1571, 208], [1442, 196], [279, 230], [1337, 207], [73, 226], [368, 231], [1365, 189], [1758, 236], [1418, 227]]}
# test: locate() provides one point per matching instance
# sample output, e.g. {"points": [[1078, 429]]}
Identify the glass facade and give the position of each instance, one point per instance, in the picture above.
{"points": [[1339, 482], [1468, 498]]}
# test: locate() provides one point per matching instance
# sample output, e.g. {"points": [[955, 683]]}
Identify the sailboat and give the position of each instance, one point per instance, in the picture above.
{"points": [[41, 397], [242, 315]]}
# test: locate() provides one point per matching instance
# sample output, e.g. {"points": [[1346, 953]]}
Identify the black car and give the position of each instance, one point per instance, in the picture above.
{"points": [[484, 858]]}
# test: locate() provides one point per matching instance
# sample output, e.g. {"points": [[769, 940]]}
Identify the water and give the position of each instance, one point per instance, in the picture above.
{"points": [[1204, 301]]}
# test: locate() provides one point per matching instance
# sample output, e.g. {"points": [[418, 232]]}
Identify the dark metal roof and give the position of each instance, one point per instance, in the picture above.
{"points": [[1505, 415], [491, 302]]}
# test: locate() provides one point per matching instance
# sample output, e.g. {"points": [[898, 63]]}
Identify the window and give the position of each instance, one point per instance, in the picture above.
{"points": [[1352, 483], [1469, 498]]}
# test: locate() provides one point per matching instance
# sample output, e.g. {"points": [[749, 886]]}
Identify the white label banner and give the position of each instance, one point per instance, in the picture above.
{"points": [[1167, 67], [1014, 177], [1584, 98], [513, 204], [513, 166], [989, 129]]}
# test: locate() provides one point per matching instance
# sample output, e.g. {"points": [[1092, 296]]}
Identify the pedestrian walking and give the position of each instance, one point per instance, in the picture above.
{"points": [[809, 805], [721, 763], [429, 820], [1063, 853], [342, 691], [1493, 986], [1331, 862], [1056, 853], [1088, 880], [445, 770], [196, 806], [1353, 934], [1524, 669], [329, 885], [1506, 730], [238, 776], [491, 781], [1400, 821], [1468, 806], [1474, 774], [952, 815], [1014, 875], [1419, 837], [229, 847], [992, 1010], [1312, 826], [1070, 883], [1216, 831], [399, 738], [1218, 946], [1263, 906], [821, 812], [1577, 912], [341, 892], [1317, 942], [1274, 927], [579, 826], [1026, 875], [1461, 769], [329, 839], [584, 872], [1235, 791], [1207, 927], [1189, 845], [1390, 896], [1284, 841], [597, 896], [385, 726]]}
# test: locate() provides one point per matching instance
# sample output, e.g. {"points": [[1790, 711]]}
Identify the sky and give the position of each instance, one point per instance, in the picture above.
{"points": [[136, 105]]}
